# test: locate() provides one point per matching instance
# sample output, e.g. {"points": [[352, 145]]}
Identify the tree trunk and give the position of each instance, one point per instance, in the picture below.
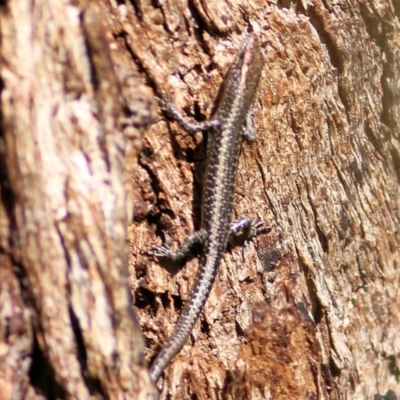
{"points": [[308, 310], [67, 326]]}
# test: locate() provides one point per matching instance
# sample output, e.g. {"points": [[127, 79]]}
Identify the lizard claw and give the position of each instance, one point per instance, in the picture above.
{"points": [[250, 229], [159, 251], [256, 228]]}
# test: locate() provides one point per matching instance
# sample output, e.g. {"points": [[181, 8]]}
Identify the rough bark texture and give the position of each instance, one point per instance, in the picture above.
{"points": [[309, 310], [67, 326]]}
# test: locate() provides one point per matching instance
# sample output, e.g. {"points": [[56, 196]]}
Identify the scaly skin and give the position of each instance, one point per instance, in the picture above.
{"points": [[225, 137]]}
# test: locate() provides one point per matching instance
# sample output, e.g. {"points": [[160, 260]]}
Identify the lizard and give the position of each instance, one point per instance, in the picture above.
{"points": [[230, 123]]}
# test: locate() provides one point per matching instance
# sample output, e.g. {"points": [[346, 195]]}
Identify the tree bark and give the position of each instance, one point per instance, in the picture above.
{"points": [[67, 324], [307, 310]]}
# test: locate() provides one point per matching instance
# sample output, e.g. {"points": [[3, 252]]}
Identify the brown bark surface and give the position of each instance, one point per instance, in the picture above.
{"points": [[67, 326], [309, 310]]}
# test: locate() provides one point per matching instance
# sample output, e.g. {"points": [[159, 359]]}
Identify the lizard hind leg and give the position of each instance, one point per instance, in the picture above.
{"points": [[164, 252], [250, 229]]}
